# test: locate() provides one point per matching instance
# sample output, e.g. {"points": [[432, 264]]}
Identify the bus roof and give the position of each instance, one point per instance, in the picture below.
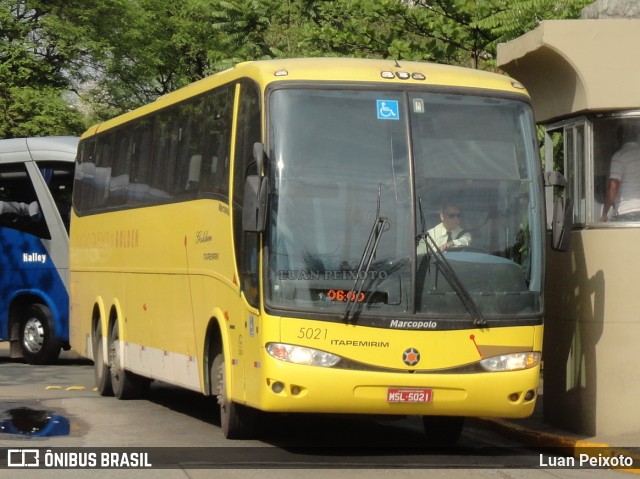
{"points": [[355, 70], [49, 148]]}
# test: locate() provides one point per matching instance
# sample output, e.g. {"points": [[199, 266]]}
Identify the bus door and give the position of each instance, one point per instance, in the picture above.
{"points": [[247, 244], [53, 182]]}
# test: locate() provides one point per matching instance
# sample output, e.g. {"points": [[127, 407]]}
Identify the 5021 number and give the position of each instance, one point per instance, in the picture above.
{"points": [[312, 333]]}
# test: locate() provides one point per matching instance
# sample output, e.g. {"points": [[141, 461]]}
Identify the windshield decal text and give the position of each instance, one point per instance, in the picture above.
{"points": [[309, 275]]}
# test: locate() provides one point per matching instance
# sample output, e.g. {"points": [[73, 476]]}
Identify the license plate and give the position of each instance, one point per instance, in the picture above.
{"points": [[414, 395]]}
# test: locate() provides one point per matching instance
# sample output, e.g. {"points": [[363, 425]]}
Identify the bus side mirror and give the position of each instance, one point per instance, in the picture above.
{"points": [[254, 210], [562, 223], [259, 156], [562, 220], [256, 189]]}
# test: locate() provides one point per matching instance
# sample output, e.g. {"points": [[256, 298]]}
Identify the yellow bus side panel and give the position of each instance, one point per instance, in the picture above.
{"points": [[158, 276]]}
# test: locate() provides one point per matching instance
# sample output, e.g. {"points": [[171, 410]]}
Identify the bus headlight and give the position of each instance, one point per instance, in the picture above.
{"points": [[511, 362], [302, 355]]}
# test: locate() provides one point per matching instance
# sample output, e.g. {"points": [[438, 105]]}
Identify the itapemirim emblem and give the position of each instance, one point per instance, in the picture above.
{"points": [[411, 357]]}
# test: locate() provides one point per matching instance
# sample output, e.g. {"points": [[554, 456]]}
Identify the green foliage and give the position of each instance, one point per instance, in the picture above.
{"points": [[463, 32], [33, 73], [37, 112], [510, 19], [114, 55]]}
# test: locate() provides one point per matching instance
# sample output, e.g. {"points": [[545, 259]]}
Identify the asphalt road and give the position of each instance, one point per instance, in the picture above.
{"points": [[178, 430]]}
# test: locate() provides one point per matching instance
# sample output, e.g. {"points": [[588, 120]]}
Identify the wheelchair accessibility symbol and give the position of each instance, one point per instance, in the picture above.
{"points": [[388, 110]]}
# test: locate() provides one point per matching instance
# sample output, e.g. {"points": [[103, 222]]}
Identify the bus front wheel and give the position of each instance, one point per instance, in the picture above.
{"points": [[125, 384], [38, 343], [236, 420]]}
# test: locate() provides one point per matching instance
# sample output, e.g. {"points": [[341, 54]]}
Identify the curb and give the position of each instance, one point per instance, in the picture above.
{"points": [[543, 439]]}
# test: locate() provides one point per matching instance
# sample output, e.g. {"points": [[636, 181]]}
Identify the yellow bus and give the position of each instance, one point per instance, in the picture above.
{"points": [[264, 236]]}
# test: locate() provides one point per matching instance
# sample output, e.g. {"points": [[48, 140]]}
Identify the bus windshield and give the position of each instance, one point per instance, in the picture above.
{"points": [[345, 160]]}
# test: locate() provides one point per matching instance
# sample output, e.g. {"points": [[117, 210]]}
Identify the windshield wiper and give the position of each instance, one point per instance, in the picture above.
{"points": [[449, 273], [380, 225]]}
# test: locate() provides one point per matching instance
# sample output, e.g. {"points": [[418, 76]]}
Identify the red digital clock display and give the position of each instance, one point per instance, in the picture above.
{"points": [[337, 295], [345, 295]]}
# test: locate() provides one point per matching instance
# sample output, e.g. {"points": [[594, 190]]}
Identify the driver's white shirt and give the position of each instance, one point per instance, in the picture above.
{"points": [[439, 235]]}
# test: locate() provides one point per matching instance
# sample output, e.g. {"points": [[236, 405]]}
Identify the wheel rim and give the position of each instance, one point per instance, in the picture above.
{"points": [[223, 400], [222, 390], [114, 360], [33, 337], [98, 359], [97, 355]]}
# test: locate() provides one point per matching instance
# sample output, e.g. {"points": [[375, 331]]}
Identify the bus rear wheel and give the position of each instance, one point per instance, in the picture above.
{"points": [[125, 384], [38, 343], [236, 420], [442, 430]]}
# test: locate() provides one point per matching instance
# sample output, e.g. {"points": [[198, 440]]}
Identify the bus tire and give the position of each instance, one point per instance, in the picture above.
{"points": [[442, 430], [236, 420], [38, 343], [125, 384], [101, 369]]}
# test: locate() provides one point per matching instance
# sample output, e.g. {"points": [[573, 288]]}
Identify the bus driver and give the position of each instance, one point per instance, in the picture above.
{"points": [[449, 233]]}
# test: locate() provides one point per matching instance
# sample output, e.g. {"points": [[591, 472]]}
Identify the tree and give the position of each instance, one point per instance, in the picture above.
{"points": [[463, 32], [43, 111], [33, 73], [161, 45], [65, 63], [156, 47]]}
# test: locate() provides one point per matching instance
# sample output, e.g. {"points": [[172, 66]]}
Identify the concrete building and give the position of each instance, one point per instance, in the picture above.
{"points": [[584, 79]]}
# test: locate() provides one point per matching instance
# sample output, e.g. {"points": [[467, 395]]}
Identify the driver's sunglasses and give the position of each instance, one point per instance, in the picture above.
{"points": [[454, 215]]}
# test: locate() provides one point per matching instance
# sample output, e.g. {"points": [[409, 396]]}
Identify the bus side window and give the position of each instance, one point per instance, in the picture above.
{"points": [[166, 137], [140, 166], [214, 172], [19, 207], [120, 164], [190, 148], [100, 178], [59, 178]]}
